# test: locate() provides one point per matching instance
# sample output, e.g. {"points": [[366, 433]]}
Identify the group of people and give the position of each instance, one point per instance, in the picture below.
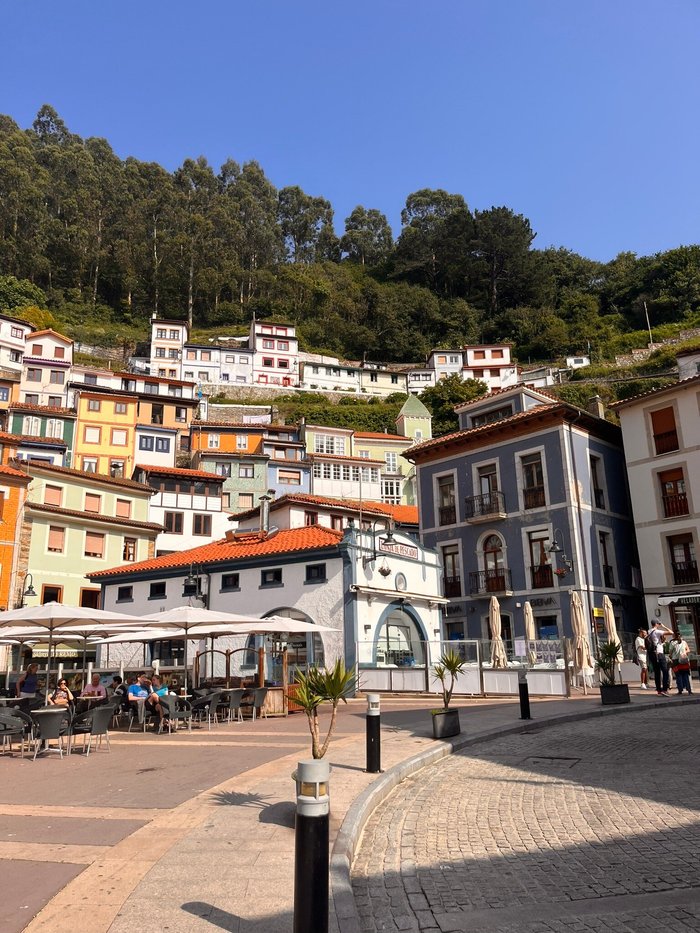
{"points": [[149, 691], [664, 650]]}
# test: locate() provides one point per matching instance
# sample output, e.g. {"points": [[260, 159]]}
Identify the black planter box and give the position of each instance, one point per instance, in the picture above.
{"points": [[614, 695], [445, 723]]}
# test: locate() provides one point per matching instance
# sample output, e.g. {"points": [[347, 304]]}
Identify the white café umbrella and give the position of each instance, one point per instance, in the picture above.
{"points": [[611, 629], [530, 635], [499, 658], [53, 618], [583, 659]]}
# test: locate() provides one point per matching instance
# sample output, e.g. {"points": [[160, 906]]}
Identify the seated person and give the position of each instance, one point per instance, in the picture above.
{"points": [[61, 696], [140, 689], [94, 688], [158, 690], [117, 688]]}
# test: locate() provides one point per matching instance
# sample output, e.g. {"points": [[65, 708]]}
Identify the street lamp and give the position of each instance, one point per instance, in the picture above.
{"points": [[384, 569], [29, 586], [555, 548], [192, 584]]}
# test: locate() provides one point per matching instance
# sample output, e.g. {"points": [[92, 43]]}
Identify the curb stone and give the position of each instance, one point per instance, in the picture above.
{"points": [[343, 911]]}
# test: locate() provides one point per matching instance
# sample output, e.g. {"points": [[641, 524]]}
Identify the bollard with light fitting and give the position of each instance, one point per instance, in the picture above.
{"points": [[374, 745], [311, 846]]}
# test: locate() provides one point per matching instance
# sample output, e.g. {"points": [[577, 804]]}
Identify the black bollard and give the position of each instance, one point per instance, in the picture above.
{"points": [[311, 847], [374, 744], [524, 695]]}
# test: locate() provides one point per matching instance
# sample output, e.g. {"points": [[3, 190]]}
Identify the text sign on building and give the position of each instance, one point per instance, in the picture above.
{"points": [[403, 550]]}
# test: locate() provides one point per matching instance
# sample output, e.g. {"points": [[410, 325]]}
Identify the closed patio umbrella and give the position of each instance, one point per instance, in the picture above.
{"points": [[611, 629], [583, 659], [530, 635], [499, 659]]}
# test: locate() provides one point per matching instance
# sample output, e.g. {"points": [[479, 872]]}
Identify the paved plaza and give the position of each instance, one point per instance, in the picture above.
{"points": [[589, 826]]}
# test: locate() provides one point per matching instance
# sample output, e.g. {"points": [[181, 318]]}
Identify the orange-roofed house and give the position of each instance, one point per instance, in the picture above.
{"points": [[48, 359]]}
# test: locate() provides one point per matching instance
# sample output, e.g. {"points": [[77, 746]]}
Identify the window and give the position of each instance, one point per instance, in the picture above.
{"points": [[189, 374], [229, 581], [31, 426], [92, 435], [4, 394], [15, 356], [125, 594], [173, 354], [683, 562], [55, 401], [597, 491], [51, 594], [156, 414], [120, 408], [203, 375], [391, 460], [129, 549], [244, 360], [93, 502], [283, 345], [161, 333], [241, 442], [394, 380], [123, 508], [311, 518], [205, 356], [94, 544], [245, 500], [57, 378], [37, 349], [90, 464], [673, 494], [53, 495], [160, 353], [268, 362], [283, 364], [497, 354], [268, 344], [289, 477], [329, 444], [391, 491], [174, 334], [54, 428], [33, 374], [146, 442], [201, 524], [447, 511], [315, 573], [57, 539], [119, 437], [452, 572], [663, 424], [533, 481], [606, 559], [173, 522], [271, 577], [156, 591], [372, 377], [226, 500], [245, 470], [31, 399], [175, 391], [540, 567], [494, 570], [163, 445], [488, 417], [16, 332], [213, 441], [479, 354], [116, 468], [180, 413], [337, 522], [151, 388]]}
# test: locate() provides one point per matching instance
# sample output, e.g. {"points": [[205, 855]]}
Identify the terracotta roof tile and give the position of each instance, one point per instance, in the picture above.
{"points": [[403, 514], [343, 459], [10, 471], [83, 474], [377, 435], [20, 439], [48, 409], [179, 471], [311, 538], [94, 516], [50, 330]]}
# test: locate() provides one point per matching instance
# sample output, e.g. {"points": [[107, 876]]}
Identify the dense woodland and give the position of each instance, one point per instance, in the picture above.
{"points": [[101, 243]]}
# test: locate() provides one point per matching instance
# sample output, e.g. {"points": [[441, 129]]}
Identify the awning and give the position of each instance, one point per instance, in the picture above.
{"points": [[683, 598]]}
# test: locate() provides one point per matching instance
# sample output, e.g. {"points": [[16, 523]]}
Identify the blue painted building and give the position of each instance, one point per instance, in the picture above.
{"points": [[527, 501]]}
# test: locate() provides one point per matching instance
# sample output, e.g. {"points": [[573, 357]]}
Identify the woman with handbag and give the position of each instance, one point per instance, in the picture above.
{"points": [[678, 652]]}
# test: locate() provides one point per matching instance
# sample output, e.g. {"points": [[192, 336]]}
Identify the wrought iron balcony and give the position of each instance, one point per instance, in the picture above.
{"points": [[488, 506], [447, 514], [453, 587], [533, 497], [666, 442], [490, 582], [685, 572], [542, 577], [676, 504]]}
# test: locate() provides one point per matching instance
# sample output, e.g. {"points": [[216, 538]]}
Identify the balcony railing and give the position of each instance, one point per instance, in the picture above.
{"points": [[489, 505], [599, 497], [685, 572], [666, 441], [453, 587], [490, 581], [447, 514], [676, 504], [542, 577], [608, 577], [533, 497]]}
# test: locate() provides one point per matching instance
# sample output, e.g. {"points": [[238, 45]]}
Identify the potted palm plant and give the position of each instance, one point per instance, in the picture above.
{"points": [[318, 686], [446, 720], [607, 660]]}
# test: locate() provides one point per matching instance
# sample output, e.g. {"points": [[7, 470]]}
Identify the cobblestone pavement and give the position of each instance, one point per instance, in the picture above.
{"points": [[591, 826]]}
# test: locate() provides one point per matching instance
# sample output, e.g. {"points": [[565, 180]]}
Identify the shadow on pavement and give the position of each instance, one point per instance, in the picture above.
{"points": [[232, 923], [279, 814]]}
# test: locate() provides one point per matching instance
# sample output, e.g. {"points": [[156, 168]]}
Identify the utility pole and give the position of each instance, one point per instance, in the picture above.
{"points": [[651, 339]]}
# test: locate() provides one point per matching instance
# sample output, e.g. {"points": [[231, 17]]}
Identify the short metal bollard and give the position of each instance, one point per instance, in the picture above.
{"points": [[374, 743], [524, 692], [311, 846]]}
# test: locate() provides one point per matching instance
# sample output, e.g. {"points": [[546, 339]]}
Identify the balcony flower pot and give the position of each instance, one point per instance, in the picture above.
{"points": [[607, 660], [446, 720], [445, 723]]}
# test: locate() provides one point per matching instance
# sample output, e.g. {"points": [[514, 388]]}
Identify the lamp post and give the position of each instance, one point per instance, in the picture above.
{"points": [[558, 548], [192, 585], [389, 528], [29, 590]]}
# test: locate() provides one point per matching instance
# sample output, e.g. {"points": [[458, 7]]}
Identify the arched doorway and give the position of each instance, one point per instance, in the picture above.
{"points": [[303, 651], [400, 641]]}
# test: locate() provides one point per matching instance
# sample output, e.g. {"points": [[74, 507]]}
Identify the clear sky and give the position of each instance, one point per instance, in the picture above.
{"points": [[581, 115]]}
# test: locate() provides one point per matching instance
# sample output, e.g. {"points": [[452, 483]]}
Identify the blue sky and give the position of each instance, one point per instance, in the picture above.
{"points": [[582, 116]]}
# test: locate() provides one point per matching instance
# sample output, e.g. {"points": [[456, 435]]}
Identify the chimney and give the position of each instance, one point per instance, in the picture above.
{"points": [[265, 512], [596, 407]]}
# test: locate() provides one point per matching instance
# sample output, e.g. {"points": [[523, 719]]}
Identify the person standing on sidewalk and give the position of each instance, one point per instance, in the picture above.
{"points": [[655, 653], [679, 653], [640, 649]]}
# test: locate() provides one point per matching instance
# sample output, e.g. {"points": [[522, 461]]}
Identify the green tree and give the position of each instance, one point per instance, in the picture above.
{"points": [[441, 400], [307, 225], [367, 238], [502, 241]]}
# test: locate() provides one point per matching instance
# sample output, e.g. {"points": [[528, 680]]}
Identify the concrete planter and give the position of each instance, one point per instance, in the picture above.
{"points": [[614, 695], [445, 723]]}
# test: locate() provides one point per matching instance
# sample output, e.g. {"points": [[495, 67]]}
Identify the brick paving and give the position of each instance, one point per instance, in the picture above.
{"points": [[592, 826]]}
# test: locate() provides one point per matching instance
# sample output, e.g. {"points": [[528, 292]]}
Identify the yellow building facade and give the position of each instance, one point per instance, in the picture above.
{"points": [[105, 433]]}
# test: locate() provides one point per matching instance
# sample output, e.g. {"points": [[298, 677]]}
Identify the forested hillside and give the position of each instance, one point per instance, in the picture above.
{"points": [[102, 243]]}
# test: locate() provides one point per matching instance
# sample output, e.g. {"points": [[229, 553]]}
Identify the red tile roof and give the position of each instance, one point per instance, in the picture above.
{"points": [[84, 474], [376, 435], [48, 409], [10, 471], [136, 376], [49, 330], [311, 538], [403, 514], [179, 471], [94, 516], [20, 439], [343, 459]]}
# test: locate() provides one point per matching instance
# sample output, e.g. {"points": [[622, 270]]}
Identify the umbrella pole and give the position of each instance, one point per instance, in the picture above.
{"points": [[48, 668], [185, 661]]}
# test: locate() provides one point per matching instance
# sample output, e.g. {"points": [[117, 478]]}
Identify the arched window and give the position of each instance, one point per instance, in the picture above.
{"points": [[303, 650], [400, 641], [494, 576], [54, 428], [31, 426]]}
